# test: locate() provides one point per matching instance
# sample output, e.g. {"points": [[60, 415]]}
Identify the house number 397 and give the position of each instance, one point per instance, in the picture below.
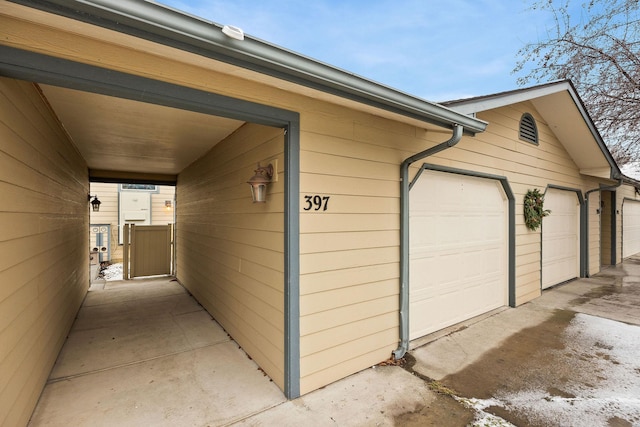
{"points": [[316, 203]]}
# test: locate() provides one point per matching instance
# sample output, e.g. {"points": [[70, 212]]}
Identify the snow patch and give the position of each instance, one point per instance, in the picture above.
{"points": [[482, 418], [112, 272], [606, 352]]}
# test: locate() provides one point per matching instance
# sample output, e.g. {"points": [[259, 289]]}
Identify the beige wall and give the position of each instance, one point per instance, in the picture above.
{"points": [[605, 224], [625, 191], [595, 244], [231, 251], [212, 263], [527, 166], [349, 254], [44, 265], [108, 194]]}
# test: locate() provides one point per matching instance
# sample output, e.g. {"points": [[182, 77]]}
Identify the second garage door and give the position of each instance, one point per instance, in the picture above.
{"points": [[458, 250], [560, 237], [630, 228]]}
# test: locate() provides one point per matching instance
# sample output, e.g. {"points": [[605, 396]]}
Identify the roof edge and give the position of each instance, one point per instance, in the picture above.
{"points": [[501, 99], [175, 28], [497, 100]]}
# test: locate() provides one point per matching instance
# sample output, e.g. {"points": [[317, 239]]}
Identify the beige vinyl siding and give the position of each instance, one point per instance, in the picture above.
{"points": [[594, 233], [160, 214], [231, 251], [499, 151], [624, 192], [349, 260], [216, 251], [605, 226], [44, 265], [108, 194], [232, 259]]}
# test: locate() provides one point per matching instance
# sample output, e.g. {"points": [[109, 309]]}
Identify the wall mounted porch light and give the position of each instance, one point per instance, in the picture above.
{"points": [[95, 203], [259, 181]]}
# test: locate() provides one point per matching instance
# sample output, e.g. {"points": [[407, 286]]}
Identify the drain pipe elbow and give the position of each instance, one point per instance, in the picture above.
{"points": [[403, 346]]}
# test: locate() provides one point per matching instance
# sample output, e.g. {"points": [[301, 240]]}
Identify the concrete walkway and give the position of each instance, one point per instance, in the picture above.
{"points": [[145, 353]]}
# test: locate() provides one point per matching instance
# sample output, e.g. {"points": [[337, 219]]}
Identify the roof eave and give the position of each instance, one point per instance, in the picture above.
{"points": [[484, 103], [171, 27]]}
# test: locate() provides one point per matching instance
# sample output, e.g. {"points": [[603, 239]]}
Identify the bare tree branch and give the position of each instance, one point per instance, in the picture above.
{"points": [[599, 50]]}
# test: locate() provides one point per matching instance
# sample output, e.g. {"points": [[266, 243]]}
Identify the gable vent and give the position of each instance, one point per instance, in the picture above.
{"points": [[528, 129]]}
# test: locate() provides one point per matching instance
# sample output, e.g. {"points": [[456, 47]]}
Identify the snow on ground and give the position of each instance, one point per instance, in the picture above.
{"points": [[604, 350], [482, 418], [112, 272]]}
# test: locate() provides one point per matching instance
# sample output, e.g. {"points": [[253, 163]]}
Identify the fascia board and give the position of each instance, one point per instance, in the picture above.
{"points": [[490, 102], [485, 103]]}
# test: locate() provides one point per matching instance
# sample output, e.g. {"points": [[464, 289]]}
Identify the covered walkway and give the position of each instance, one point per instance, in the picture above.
{"points": [[144, 352]]}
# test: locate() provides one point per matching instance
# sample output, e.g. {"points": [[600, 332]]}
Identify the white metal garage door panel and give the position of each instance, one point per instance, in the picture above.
{"points": [[630, 228], [458, 250], [560, 237]]}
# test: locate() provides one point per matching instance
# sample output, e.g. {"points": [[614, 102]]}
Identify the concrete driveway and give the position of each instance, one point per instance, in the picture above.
{"points": [[568, 358]]}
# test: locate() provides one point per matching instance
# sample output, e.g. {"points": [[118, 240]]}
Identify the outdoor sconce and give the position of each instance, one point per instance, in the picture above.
{"points": [[259, 182], [168, 204], [95, 203]]}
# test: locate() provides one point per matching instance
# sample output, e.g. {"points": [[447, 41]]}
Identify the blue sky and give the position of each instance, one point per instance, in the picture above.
{"points": [[434, 49]]}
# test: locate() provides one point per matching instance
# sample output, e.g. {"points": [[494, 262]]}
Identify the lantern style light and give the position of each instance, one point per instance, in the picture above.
{"points": [[259, 182], [95, 203]]}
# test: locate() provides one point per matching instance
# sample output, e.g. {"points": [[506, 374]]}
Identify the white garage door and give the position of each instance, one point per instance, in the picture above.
{"points": [[560, 237], [630, 228], [458, 250]]}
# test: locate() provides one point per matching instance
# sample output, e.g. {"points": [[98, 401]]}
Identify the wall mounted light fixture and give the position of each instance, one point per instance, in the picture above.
{"points": [[168, 204], [95, 203], [259, 181]]}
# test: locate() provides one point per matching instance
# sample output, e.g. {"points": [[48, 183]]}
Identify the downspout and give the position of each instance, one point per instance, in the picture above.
{"points": [[404, 235], [585, 272]]}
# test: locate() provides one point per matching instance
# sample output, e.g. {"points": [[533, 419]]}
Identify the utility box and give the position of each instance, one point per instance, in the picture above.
{"points": [[93, 257]]}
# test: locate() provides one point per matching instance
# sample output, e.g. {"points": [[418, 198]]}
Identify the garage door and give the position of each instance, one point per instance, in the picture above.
{"points": [[560, 237], [458, 250], [630, 228]]}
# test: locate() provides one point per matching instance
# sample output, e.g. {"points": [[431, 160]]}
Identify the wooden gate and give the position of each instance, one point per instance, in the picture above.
{"points": [[147, 250]]}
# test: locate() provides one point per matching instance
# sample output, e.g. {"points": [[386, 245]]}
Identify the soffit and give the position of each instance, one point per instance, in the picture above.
{"points": [[561, 114], [117, 134]]}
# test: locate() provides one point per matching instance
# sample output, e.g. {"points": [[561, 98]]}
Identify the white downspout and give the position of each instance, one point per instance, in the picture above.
{"points": [[404, 235]]}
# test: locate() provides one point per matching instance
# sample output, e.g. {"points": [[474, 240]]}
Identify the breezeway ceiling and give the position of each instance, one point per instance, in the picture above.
{"points": [[121, 135]]}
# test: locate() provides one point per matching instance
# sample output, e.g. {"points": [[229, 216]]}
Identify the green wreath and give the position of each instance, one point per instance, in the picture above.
{"points": [[533, 209]]}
